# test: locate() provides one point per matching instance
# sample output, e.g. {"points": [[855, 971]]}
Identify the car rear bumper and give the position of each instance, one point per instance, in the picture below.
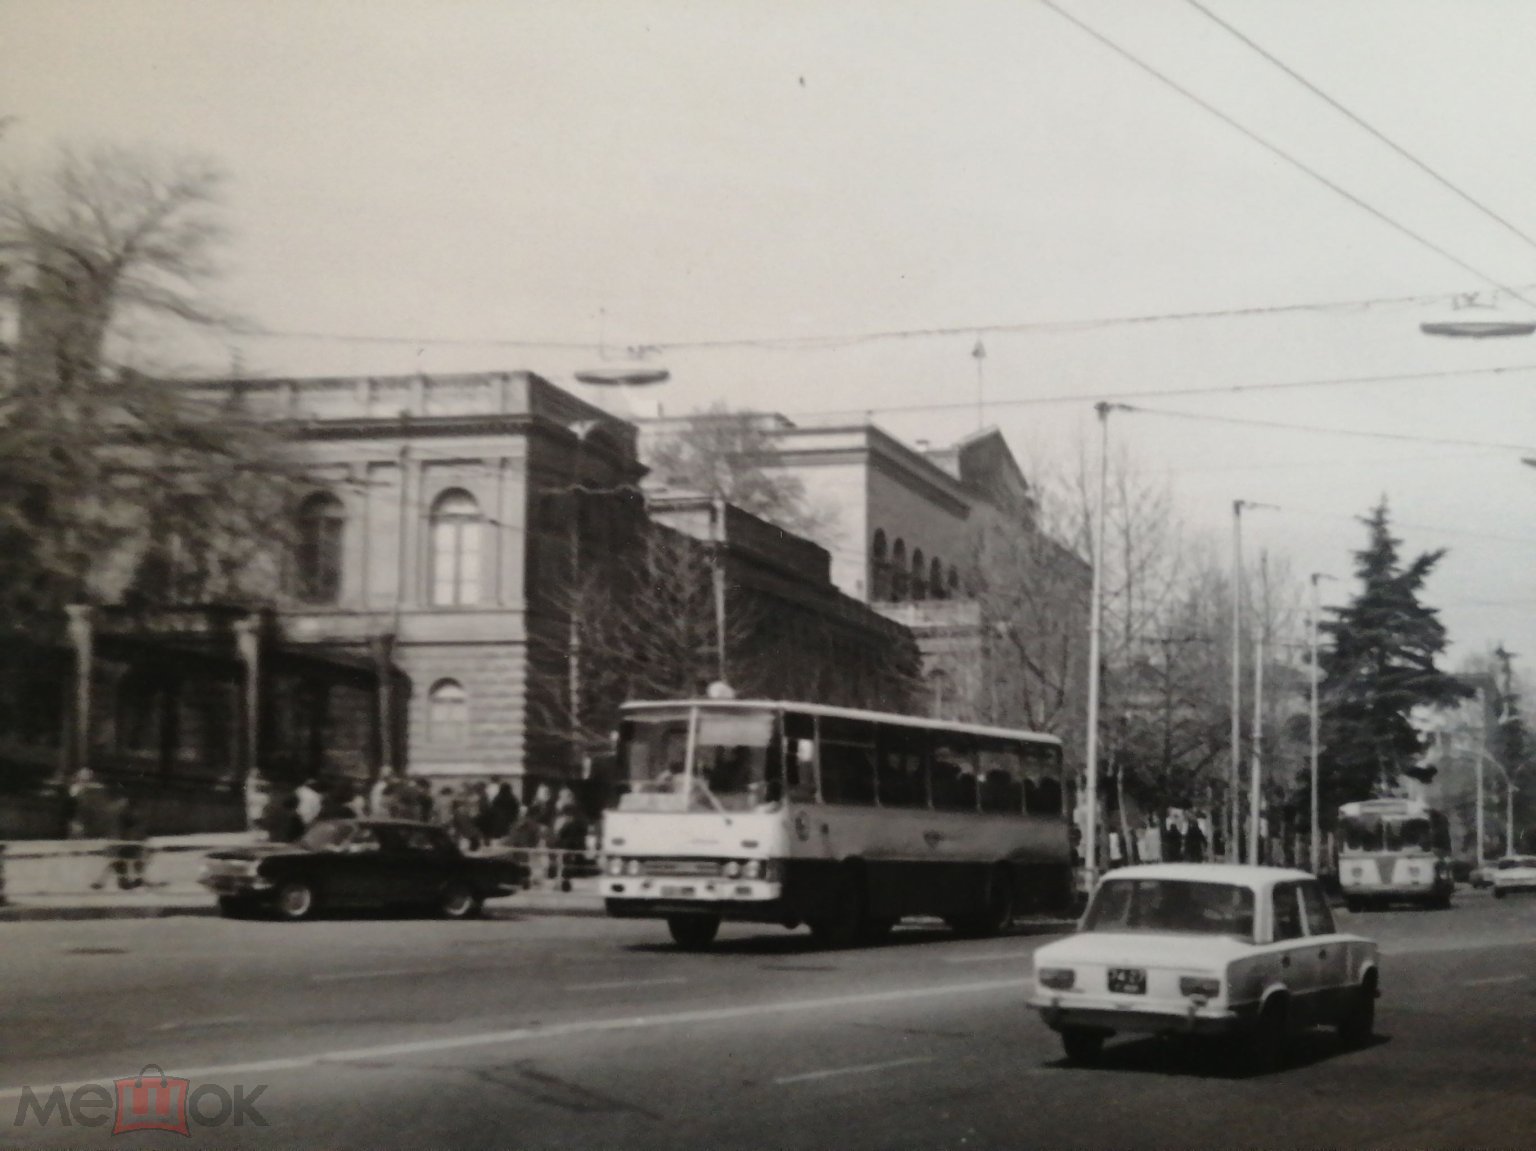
{"points": [[1195, 1019]]}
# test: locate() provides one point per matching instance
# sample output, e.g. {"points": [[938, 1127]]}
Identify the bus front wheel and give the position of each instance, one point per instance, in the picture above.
{"points": [[693, 932]]}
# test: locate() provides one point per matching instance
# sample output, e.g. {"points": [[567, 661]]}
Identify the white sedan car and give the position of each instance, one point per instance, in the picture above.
{"points": [[1206, 949], [1514, 873]]}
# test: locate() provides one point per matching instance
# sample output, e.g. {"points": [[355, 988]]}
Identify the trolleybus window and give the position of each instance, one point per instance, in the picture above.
{"points": [[952, 778], [902, 774]]}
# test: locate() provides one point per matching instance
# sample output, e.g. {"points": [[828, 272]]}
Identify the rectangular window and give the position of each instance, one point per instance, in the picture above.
{"points": [[1002, 777], [952, 773], [901, 777], [1287, 912], [1042, 780], [847, 761], [1315, 906], [800, 756]]}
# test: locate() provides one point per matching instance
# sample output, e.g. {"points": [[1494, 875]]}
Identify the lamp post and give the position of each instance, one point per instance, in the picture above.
{"points": [[1095, 639], [1316, 846], [1234, 783]]}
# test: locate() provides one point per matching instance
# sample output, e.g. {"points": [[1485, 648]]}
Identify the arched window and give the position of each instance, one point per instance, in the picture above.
{"points": [[317, 559], [899, 574], [919, 575], [456, 527], [936, 579], [447, 712], [880, 568]]}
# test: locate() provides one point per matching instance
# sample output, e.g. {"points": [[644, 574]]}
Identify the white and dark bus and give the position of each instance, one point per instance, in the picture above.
{"points": [[843, 820]]}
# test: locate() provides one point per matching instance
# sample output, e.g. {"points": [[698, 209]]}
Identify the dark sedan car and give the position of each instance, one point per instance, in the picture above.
{"points": [[360, 863]]}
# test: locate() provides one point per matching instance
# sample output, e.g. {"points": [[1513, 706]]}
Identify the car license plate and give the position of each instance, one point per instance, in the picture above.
{"points": [[1128, 980], [676, 890]]}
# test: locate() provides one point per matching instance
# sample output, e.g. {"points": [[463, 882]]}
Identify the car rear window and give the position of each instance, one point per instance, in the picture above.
{"points": [[1176, 905]]}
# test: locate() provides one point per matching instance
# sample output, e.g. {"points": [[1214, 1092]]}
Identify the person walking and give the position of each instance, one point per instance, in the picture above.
{"points": [[504, 810]]}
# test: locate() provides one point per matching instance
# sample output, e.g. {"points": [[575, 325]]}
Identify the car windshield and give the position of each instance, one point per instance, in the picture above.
{"points": [[1176, 905]]}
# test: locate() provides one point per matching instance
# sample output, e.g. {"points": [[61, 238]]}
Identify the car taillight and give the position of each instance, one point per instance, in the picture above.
{"points": [[1201, 985], [1056, 978]]}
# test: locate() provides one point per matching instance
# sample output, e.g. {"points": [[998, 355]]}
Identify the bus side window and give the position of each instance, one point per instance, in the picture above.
{"points": [[800, 757], [1002, 778], [847, 761], [900, 776], [953, 774], [1042, 784]]}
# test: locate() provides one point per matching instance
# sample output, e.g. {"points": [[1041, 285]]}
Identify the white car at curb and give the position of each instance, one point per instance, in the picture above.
{"points": [[1206, 949], [1514, 873]]}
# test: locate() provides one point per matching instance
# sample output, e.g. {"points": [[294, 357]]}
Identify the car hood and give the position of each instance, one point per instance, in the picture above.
{"points": [[258, 851], [1149, 949]]}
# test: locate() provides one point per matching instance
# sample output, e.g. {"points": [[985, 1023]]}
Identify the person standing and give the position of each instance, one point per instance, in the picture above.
{"points": [[504, 810]]}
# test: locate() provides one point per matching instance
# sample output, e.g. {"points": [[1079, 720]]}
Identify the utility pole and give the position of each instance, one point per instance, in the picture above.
{"points": [[1255, 780]]}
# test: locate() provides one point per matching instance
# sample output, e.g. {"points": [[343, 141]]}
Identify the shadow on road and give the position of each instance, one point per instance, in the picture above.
{"points": [[1213, 1059], [797, 942]]}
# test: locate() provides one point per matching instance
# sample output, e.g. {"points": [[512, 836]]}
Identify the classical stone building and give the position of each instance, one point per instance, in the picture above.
{"points": [[465, 518]]}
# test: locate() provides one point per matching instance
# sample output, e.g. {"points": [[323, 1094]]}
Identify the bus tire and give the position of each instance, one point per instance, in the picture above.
{"points": [[693, 932]]}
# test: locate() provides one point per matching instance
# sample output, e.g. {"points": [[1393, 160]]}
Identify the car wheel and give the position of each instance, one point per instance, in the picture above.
{"points": [[1498, 893], [693, 932], [1358, 1023], [1354, 905], [233, 907], [998, 916], [1081, 1044], [459, 901], [295, 900], [1269, 1045]]}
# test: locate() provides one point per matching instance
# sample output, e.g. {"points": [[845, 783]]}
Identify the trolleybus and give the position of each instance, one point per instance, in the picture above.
{"points": [[843, 820], [1394, 850]]}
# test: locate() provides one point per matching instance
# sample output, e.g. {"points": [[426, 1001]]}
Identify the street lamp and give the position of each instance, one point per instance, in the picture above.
{"points": [[1316, 852], [1235, 784], [1472, 319], [1095, 638]]}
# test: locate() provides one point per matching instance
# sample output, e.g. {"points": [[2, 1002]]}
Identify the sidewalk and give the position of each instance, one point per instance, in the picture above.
{"points": [[52, 879]]}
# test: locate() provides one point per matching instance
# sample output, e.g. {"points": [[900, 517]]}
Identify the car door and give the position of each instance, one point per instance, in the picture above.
{"points": [[1297, 959], [422, 864], [349, 868], [1330, 952]]}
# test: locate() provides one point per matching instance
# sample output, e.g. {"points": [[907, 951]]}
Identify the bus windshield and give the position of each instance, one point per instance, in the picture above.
{"points": [[1389, 833], [731, 760]]}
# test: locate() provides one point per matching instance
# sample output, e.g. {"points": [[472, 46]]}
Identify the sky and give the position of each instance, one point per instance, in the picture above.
{"points": [[820, 207]]}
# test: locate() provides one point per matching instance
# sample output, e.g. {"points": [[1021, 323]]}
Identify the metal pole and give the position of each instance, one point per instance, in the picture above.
{"points": [[1481, 751], [1255, 800], [719, 585], [1234, 783], [1095, 629], [1316, 854]]}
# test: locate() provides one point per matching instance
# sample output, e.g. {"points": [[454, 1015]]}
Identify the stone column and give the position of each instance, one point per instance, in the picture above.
{"points": [[81, 637], [386, 700]]}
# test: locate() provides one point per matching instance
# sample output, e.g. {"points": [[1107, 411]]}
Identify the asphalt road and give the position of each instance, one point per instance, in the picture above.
{"points": [[570, 1032]]}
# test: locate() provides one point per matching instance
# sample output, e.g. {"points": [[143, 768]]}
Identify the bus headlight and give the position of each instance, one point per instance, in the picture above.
{"points": [[732, 870], [615, 866], [632, 867], [753, 869]]}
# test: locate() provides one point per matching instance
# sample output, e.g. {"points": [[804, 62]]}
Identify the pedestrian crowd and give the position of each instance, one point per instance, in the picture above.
{"points": [[476, 814]]}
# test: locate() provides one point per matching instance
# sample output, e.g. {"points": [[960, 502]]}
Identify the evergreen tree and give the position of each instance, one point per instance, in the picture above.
{"points": [[1378, 665]]}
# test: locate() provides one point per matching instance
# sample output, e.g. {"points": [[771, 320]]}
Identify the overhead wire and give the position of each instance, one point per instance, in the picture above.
{"points": [[1362, 123], [1281, 153]]}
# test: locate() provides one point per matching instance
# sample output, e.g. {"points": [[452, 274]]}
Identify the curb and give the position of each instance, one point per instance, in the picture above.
{"points": [[42, 913]]}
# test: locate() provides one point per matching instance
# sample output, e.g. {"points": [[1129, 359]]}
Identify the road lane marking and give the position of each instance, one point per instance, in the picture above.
{"points": [[338, 976], [990, 957], [564, 1030], [616, 984], [193, 1024], [860, 1069], [1492, 979]]}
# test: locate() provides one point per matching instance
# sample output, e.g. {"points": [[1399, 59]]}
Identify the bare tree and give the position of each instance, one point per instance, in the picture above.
{"points": [[729, 454], [112, 479]]}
